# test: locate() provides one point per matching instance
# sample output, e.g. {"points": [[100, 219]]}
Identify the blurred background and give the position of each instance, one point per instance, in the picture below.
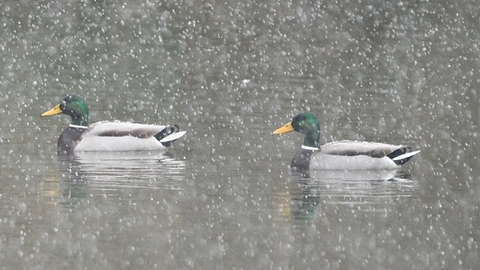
{"points": [[229, 73]]}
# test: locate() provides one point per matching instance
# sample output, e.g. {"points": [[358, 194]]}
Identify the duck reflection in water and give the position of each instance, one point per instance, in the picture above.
{"points": [[313, 194], [109, 173]]}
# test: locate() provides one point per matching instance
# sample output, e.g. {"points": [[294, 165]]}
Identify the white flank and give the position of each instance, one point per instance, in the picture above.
{"points": [[124, 143], [322, 161], [349, 175]]}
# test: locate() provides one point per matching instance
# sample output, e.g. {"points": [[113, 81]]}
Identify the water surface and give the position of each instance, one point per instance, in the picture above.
{"points": [[229, 74]]}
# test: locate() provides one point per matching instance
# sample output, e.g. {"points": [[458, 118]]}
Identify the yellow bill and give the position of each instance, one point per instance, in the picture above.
{"points": [[286, 128], [55, 110]]}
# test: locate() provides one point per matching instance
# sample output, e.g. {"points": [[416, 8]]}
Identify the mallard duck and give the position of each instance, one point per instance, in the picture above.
{"points": [[108, 136], [342, 155]]}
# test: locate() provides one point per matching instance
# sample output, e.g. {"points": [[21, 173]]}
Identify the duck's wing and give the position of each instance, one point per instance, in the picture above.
{"points": [[355, 148], [121, 129]]}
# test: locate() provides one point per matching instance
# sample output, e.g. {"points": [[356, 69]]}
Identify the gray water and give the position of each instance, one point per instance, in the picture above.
{"points": [[229, 74]]}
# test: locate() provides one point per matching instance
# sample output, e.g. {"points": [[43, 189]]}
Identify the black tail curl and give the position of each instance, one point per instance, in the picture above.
{"points": [[399, 152], [165, 132]]}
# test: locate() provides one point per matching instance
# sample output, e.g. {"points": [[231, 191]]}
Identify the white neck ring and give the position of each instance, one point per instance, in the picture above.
{"points": [[310, 148], [77, 126]]}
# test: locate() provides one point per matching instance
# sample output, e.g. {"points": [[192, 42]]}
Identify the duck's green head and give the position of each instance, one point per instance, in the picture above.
{"points": [[74, 106], [305, 123]]}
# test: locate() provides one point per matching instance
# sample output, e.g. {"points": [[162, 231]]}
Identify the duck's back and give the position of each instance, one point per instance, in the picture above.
{"points": [[354, 148], [120, 136]]}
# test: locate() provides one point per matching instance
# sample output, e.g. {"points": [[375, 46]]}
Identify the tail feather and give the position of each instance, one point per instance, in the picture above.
{"points": [[402, 155], [169, 135]]}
